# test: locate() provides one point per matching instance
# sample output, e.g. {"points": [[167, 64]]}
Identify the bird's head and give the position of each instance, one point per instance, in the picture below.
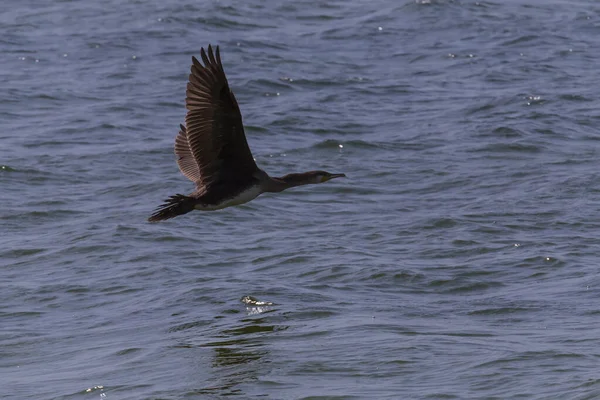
{"points": [[322, 176], [305, 178]]}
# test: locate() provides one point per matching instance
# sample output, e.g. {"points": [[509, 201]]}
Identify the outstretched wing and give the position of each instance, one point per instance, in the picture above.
{"points": [[214, 131]]}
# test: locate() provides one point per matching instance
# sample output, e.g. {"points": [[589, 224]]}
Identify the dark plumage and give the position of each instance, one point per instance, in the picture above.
{"points": [[212, 150]]}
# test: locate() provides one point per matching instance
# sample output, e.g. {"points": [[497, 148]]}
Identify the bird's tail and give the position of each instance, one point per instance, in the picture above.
{"points": [[172, 207]]}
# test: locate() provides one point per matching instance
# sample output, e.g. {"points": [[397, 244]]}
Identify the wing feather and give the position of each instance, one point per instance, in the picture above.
{"points": [[185, 160], [215, 135]]}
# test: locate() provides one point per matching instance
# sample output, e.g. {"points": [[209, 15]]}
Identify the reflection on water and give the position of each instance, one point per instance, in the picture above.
{"points": [[235, 362], [239, 355]]}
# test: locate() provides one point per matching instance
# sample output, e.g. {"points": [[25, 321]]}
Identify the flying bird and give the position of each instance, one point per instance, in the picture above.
{"points": [[212, 150]]}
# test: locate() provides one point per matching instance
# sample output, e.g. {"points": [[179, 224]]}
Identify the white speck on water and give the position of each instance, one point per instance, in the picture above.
{"points": [[159, 19], [253, 301], [380, 28], [533, 99], [134, 57], [98, 387], [64, 55], [341, 146]]}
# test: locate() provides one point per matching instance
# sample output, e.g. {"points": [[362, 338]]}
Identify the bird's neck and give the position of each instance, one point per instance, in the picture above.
{"points": [[278, 184]]}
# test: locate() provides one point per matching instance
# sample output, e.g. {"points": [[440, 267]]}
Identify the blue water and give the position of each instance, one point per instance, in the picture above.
{"points": [[458, 260]]}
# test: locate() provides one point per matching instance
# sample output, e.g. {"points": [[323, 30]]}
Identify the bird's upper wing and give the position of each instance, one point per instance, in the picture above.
{"points": [[214, 131]]}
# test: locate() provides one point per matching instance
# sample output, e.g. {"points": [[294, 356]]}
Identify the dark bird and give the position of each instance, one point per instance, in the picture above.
{"points": [[212, 150]]}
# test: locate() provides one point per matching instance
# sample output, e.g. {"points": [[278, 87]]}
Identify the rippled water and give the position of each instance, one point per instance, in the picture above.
{"points": [[458, 260]]}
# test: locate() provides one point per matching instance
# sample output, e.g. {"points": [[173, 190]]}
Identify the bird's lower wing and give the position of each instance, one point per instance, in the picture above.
{"points": [[185, 159]]}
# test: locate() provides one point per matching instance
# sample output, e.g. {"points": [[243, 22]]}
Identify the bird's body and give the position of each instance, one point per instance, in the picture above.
{"points": [[212, 150], [245, 195]]}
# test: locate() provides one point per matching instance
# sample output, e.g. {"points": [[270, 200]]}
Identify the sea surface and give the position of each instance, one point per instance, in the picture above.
{"points": [[460, 258]]}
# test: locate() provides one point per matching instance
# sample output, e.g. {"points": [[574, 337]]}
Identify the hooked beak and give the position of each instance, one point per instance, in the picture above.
{"points": [[330, 177]]}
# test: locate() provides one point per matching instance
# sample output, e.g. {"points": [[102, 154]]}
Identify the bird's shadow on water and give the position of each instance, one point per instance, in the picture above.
{"points": [[239, 349]]}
